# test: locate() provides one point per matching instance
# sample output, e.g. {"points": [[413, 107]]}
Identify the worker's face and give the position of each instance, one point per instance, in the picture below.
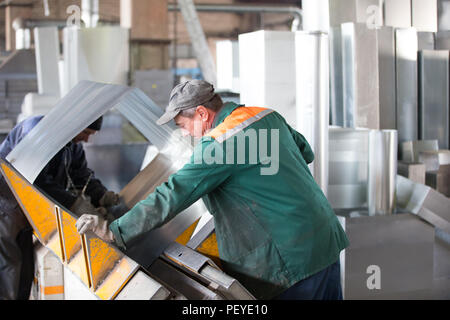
{"points": [[84, 135], [198, 125]]}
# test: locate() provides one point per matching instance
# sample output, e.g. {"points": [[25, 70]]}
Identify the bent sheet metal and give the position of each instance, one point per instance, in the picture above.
{"points": [[54, 225]]}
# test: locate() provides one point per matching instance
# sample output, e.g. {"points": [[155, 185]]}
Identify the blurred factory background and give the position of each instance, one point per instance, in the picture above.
{"points": [[365, 81]]}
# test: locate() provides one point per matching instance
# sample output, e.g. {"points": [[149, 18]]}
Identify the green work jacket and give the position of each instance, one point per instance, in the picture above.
{"points": [[274, 226]]}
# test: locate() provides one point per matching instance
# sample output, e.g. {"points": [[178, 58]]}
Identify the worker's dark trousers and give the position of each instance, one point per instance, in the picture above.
{"points": [[16, 257], [323, 285]]}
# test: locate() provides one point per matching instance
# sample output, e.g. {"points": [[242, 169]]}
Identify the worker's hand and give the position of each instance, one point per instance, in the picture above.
{"points": [[82, 206], [101, 211], [96, 224], [109, 199]]}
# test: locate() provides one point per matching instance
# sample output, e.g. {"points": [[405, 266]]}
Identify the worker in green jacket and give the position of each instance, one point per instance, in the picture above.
{"points": [[276, 232]]}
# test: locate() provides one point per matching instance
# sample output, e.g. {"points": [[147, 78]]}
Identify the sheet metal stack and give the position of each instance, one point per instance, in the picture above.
{"points": [[362, 170], [363, 100], [434, 99], [47, 59], [436, 163], [227, 61], [398, 13], [312, 76], [336, 82], [406, 84], [267, 71], [356, 11], [288, 72], [348, 168], [382, 171], [386, 74], [388, 102], [17, 78], [84, 59], [360, 76]]}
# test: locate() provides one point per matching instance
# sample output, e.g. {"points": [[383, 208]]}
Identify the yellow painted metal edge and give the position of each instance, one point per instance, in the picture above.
{"points": [[104, 279], [71, 240], [186, 235], [78, 266], [90, 271], [210, 249], [116, 280], [60, 233], [4, 168], [38, 209], [101, 258], [85, 256]]}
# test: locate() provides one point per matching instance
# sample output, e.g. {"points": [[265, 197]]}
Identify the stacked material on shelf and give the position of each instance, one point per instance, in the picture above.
{"points": [[363, 169]]}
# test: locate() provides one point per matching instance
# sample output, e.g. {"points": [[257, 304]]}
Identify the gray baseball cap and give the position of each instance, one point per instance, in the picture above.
{"points": [[187, 95]]}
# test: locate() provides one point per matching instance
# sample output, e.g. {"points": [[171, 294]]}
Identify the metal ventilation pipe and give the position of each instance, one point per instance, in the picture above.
{"points": [[294, 11], [23, 35], [90, 12]]}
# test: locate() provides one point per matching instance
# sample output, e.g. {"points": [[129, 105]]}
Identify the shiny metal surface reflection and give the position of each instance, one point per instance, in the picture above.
{"points": [[382, 171]]}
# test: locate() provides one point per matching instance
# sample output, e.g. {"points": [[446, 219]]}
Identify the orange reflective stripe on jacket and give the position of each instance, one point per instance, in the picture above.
{"points": [[237, 121]]}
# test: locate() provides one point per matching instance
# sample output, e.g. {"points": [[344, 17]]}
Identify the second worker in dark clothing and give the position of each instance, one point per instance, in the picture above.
{"points": [[68, 180]]}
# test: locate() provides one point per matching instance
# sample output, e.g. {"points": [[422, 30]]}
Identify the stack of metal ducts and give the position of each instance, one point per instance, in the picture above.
{"points": [[363, 102], [17, 78], [312, 96], [289, 72], [386, 74], [362, 169], [47, 59], [389, 87], [436, 163]]}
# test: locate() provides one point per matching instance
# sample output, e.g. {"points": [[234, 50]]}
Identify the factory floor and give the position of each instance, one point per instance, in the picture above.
{"points": [[441, 281]]}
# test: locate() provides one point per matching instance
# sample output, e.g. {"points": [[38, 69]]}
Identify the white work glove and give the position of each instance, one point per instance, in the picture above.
{"points": [[96, 224], [109, 199]]}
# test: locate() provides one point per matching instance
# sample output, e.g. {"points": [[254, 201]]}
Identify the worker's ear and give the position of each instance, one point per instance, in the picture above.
{"points": [[203, 113]]}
